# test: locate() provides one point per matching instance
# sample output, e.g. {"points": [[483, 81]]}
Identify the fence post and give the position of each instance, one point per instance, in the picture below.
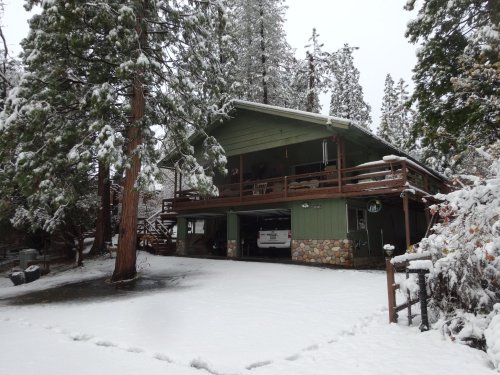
{"points": [[391, 293], [422, 296]]}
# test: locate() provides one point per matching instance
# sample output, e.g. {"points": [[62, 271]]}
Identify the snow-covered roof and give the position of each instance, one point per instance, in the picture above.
{"points": [[328, 121], [293, 113]]}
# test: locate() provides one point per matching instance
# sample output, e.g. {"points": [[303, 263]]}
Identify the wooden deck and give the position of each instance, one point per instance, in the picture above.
{"points": [[369, 179]]}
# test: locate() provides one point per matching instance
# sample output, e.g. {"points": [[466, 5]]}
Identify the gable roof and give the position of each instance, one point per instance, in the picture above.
{"points": [[336, 125]]}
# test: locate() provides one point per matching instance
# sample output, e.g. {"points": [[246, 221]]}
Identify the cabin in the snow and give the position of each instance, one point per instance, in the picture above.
{"points": [[320, 189]]}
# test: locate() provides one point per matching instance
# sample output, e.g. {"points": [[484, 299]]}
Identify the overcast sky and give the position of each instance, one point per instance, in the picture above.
{"points": [[377, 27]]}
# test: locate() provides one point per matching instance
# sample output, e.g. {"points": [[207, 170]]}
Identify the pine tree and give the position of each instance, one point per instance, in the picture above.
{"points": [[388, 108], [405, 116], [457, 74], [397, 116], [10, 68], [347, 94], [317, 72], [264, 58], [99, 75]]}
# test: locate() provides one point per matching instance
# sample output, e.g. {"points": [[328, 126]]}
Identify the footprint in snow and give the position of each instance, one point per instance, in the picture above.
{"points": [[312, 347], [105, 343], [162, 357], [135, 350], [80, 337], [293, 357], [199, 364], [258, 364]]}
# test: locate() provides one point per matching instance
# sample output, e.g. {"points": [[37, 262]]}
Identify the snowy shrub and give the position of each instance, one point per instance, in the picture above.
{"points": [[466, 248], [492, 335]]}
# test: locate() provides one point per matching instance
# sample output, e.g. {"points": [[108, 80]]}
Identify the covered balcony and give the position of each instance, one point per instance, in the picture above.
{"points": [[317, 169]]}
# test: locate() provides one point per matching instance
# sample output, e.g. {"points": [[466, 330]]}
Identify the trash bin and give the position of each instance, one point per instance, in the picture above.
{"points": [[17, 277], [31, 273], [26, 256]]}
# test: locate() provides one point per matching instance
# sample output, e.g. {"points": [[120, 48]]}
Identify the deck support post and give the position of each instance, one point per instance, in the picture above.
{"points": [[406, 209], [340, 160], [175, 182], [241, 177]]}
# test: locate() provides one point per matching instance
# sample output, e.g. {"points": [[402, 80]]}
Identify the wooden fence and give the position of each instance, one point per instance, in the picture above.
{"points": [[391, 266]]}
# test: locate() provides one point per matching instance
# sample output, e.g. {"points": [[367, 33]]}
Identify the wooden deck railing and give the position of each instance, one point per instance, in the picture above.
{"points": [[369, 178]]}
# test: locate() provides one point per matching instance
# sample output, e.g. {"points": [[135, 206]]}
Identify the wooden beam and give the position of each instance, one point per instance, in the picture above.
{"points": [[175, 182], [340, 160], [241, 177], [406, 209]]}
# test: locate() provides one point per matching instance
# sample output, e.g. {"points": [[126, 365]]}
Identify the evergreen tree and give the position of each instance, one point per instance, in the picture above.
{"points": [[405, 116], [388, 108], [317, 72], [9, 67], [264, 58], [295, 85], [397, 116], [347, 94], [457, 74], [99, 75]]}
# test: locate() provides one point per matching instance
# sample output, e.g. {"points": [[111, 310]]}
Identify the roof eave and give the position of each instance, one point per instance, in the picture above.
{"points": [[316, 118]]}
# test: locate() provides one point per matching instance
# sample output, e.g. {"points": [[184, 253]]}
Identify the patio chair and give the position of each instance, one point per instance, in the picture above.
{"points": [[260, 188]]}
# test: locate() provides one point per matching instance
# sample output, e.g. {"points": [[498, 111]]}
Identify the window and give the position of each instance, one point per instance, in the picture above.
{"points": [[196, 226], [356, 219]]}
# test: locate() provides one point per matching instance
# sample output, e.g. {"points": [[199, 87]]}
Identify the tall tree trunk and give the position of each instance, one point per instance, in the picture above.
{"points": [[263, 57], [127, 238], [103, 222], [310, 94]]}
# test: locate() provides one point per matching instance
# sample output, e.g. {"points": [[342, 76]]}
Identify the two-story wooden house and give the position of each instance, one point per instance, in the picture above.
{"points": [[341, 191]]}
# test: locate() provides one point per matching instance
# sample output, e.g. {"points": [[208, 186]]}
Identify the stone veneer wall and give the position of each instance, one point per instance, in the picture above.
{"points": [[231, 249], [337, 252], [180, 247]]}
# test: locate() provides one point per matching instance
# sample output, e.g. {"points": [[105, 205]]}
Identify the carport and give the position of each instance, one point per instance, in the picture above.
{"points": [[251, 221]]}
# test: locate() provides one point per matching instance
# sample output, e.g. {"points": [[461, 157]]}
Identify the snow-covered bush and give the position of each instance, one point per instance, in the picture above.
{"points": [[492, 335], [466, 248]]}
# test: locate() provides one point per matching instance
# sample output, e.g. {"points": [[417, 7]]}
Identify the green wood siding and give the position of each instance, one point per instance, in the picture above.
{"points": [[250, 132], [326, 222]]}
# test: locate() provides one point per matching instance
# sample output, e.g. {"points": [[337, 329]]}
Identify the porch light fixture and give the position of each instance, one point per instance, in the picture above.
{"points": [[389, 250], [373, 206], [305, 205]]}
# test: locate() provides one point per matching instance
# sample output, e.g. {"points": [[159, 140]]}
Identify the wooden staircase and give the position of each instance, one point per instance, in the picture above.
{"points": [[155, 233]]}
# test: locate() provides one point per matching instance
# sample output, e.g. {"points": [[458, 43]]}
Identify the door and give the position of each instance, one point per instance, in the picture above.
{"points": [[357, 231]]}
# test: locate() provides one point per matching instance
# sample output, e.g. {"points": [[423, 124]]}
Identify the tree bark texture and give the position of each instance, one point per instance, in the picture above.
{"points": [[125, 265], [103, 222], [263, 57]]}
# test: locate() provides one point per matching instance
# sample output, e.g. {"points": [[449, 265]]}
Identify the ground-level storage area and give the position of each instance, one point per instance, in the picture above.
{"points": [[343, 232]]}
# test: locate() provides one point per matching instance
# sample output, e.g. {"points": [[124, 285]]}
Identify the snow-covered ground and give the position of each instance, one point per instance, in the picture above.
{"points": [[218, 317]]}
